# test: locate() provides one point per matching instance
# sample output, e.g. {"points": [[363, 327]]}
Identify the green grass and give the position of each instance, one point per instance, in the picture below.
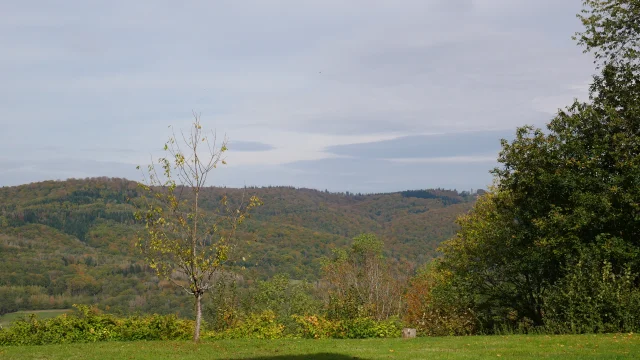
{"points": [[7, 319], [610, 346]]}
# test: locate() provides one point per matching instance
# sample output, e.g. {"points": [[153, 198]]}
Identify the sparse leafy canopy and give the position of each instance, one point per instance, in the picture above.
{"points": [[362, 283], [612, 30], [181, 242]]}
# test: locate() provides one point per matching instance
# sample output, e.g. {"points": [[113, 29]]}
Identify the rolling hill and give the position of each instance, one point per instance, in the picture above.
{"points": [[64, 242]]}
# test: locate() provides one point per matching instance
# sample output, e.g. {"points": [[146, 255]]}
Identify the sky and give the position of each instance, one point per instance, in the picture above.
{"points": [[344, 95]]}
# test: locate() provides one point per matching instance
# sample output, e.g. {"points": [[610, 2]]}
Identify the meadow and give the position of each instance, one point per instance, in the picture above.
{"points": [[602, 346]]}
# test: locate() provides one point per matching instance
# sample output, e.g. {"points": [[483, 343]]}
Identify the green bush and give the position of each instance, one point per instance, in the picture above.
{"points": [[256, 326], [594, 298], [89, 325], [436, 306], [318, 327], [153, 327]]}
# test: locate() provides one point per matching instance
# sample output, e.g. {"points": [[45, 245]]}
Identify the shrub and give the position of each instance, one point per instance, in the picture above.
{"points": [[318, 327], [89, 325], [435, 307], [256, 326], [594, 298], [153, 327]]}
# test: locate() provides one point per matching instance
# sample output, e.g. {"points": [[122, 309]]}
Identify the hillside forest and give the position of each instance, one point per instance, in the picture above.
{"points": [[73, 241]]}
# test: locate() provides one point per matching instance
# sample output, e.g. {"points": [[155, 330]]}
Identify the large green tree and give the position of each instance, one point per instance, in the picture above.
{"points": [[563, 196], [182, 242], [560, 194]]}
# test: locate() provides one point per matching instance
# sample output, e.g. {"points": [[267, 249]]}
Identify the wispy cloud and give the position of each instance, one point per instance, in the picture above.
{"points": [[427, 146], [250, 146], [448, 159], [306, 79]]}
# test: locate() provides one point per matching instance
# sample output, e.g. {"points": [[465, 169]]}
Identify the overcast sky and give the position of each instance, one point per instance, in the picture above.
{"points": [[345, 95]]}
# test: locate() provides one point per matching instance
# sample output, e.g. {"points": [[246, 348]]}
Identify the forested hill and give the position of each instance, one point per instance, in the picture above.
{"points": [[75, 237]]}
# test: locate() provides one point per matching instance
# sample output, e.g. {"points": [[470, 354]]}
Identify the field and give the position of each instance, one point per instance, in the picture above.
{"points": [[610, 346], [6, 319]]}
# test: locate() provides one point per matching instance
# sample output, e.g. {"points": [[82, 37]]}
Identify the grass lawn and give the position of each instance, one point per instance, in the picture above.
{"points": [[610, 346], [7, 319]]}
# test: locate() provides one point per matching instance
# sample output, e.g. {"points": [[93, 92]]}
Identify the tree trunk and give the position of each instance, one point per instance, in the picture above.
{"points": [[196, 333]]}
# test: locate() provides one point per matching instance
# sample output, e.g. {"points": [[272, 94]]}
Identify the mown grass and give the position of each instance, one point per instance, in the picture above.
{"points": [[609, 346], [7, 319]]}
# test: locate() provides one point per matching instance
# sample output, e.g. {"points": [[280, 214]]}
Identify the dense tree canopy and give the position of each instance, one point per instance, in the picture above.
{"points": [[565, 208]]}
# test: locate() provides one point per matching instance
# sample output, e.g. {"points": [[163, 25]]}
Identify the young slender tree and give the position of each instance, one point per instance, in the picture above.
{"points": [[361, 282], [181, 241]]}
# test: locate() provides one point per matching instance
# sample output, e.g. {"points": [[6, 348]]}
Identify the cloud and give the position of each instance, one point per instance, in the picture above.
{"points": [[298, 81], [249, 146], [108, 150], [452, 160], [427, 146]]}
